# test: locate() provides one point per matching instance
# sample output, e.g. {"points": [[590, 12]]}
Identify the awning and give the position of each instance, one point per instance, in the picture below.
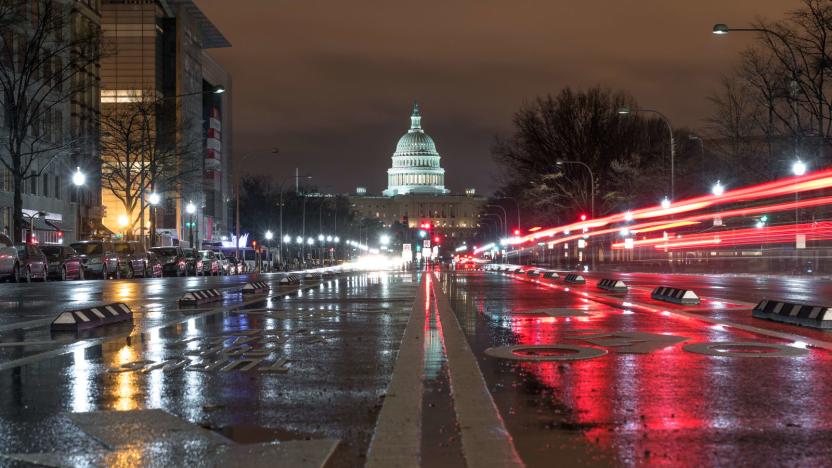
{"points": [[47, 225]]}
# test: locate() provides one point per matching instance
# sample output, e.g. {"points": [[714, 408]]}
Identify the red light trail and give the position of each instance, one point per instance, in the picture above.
{"points": [[782, 187]]}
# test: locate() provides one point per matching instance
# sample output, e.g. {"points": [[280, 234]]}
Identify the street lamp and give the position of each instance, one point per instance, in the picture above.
{"points": [[154, 200], [627, 111], [287, 238], [384, 239], [665, 203], [799, 168], [718, 189], [190, 208], [269, 235], [282, 187], [78, 180], [561, 162]]}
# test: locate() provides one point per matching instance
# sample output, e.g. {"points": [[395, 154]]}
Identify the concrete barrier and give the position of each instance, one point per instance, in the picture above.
{"points": [[574, 278], [550, 274], [253, 287], [533, 273], [200, 297], [289, 278], [612, 285], [675, 295], [92, 317], [797, 314]]}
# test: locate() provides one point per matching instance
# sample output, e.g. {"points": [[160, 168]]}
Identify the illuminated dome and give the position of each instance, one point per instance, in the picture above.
{"points": [[415, 163]]}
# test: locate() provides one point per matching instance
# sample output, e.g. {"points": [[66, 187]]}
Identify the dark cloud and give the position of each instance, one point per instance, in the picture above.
{"points": [[331, 83]]}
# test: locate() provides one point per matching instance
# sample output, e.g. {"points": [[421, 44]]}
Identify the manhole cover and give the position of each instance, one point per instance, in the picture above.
{"points": [[745, 349], [554, 352]]}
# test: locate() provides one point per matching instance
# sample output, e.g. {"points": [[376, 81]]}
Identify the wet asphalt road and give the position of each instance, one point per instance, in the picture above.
{"points": [[309, 366]]}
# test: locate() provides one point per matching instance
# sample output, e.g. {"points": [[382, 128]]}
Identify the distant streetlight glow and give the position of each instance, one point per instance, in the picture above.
{"points": [[384, 239], [310, 241], [628, 216], [329, 238], [190, 208], [337, 239], [269, 235], [154, 198], [320, 237], [123, 220], [665, 203], [799, 168], [299, 240], [287, 238], [718, 189]]}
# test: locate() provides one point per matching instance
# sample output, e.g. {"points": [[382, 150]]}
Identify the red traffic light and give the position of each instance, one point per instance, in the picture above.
{"points": [[425, 226], [436, 239]]}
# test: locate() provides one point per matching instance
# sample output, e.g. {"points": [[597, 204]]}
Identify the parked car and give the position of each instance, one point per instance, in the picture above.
{"points": [[98, 258], [63, 262], [210, 263], [225, 266], [174, 262], [154, 265], [132, 259], [31, 263], [9, 266], [193, 262], [235, 266]]}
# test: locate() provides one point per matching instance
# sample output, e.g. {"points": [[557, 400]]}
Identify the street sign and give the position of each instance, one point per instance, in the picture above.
{"points": [[426, 244], [718, 221], [800, 241]]}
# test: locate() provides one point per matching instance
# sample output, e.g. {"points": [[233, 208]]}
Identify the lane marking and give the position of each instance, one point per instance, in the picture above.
{"points": [[485, 440], [397, 438]]}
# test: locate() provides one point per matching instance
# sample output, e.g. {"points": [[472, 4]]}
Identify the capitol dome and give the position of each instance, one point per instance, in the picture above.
{"points": [[416, 166]]}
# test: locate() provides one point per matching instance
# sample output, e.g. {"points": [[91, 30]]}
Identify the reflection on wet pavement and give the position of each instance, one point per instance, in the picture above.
{"points": [[647, 399], [309, 365]]}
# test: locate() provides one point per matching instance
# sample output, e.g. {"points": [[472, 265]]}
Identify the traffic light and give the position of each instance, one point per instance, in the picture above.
{"points": [[436, 239]]}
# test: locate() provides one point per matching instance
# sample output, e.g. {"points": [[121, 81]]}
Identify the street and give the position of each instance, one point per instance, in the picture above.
{"points": [[393, 368]]}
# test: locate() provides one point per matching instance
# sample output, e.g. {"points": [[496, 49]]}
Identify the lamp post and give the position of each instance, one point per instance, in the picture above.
{"points": [[282, 188], [721, 29], [798, 169], [518, 209], [237, 194], [190, 208], [269, 236], [154, 200], [627, 111], [78, 180], [505, 218], [561, 162]]}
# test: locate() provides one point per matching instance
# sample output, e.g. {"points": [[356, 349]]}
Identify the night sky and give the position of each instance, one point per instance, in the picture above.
{"points": [[331, 83]]}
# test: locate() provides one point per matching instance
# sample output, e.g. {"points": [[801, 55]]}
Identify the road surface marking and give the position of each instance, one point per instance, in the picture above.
{"points": [[397, 438], [485, 440]]}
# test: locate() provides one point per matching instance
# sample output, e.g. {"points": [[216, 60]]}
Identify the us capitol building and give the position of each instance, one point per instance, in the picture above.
{"points": [[416, 192]]}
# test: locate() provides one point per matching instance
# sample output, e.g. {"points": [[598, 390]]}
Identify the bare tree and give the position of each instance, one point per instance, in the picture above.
{"points": [[42, 61], [585, 127], [139, 153]]}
